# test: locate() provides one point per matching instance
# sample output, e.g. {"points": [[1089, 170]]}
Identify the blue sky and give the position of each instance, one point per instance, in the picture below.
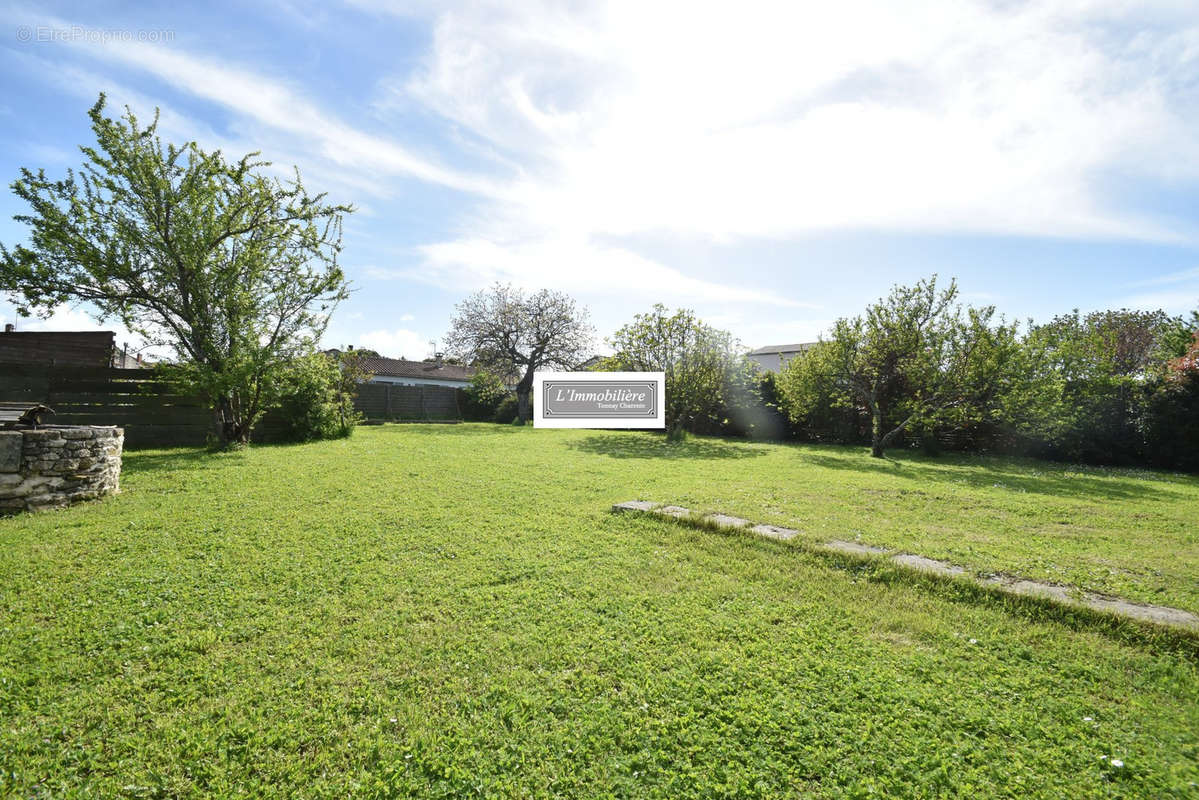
{"points": [[772, 166]]}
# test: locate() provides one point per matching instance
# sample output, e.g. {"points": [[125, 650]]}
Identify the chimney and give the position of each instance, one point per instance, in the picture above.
{"points": [[350, 348], [9, 327], [437, 359]]}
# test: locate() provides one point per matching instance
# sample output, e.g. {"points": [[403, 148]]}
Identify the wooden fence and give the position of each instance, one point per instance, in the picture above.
{"points": [[396, 401], [156, 413], [152, 411]]}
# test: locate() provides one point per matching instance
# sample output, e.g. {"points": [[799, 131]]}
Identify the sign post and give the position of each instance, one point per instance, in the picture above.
{"points": [[599, 400]]}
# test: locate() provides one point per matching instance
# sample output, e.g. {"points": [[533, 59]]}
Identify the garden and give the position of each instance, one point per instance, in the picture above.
{"points": [[404, 613]]}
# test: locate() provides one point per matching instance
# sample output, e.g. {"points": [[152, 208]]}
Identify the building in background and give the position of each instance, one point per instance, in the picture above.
{"points": [[401, 372], [773, 358]]}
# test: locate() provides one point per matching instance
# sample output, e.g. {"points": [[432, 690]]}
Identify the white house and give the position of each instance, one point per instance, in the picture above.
{"points": [[773, 358], [398, 371]]}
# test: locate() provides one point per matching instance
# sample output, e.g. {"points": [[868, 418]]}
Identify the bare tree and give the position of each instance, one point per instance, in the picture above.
{"points": [[512, 334]]}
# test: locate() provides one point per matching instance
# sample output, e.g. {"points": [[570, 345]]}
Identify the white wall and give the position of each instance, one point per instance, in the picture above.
{"points": [[419, 381]]}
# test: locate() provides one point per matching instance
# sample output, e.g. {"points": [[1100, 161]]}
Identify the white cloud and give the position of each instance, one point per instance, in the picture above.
{"points": [[777, 120], [1183, 276], [573, 265], [397, 343], [1173, 302], [597, 123], [277, 106]]}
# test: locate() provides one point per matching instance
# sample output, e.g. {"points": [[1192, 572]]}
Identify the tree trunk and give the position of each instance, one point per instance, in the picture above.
{"points": [[230, 428], [524, 392], [880, 441], [523, 411]]}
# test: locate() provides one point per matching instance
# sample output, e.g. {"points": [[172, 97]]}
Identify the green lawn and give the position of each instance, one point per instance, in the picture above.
{"points": [[453, 611]]}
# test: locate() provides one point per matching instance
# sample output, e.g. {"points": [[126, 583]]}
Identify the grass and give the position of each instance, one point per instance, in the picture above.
{"points": [[451, 611]]}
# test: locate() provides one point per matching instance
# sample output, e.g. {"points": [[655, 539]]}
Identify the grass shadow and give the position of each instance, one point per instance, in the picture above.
{"points": [[1018, 475], [657, 447], [135, 462]]}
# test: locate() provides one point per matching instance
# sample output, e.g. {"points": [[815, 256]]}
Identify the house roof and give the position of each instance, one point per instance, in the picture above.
{"points": [[589, 363], [771, 349], [399, 368]]}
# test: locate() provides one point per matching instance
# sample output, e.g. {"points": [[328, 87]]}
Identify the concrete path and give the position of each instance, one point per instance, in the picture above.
{"points": [[1063, 595]]}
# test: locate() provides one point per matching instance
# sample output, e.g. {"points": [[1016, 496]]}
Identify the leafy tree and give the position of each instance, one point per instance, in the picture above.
{"points": [[915, 358], [513, 333], [753, 407], [815, 401], [1085, 383], [1187, 363], [699, 361], [234, 270], [1172, 421], [1179, 334]]}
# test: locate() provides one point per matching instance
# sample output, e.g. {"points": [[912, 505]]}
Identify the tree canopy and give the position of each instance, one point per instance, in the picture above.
{"points": [[231, 268], [915, 357], [513, 333], [699, 362]]}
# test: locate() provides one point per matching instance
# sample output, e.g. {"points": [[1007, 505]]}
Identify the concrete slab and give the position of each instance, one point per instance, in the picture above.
{"points": [[635, 505], [855, 548], [1159, 614], [775, 532], [678, 512], [1064, 595], [725, 521], [927, 564]]}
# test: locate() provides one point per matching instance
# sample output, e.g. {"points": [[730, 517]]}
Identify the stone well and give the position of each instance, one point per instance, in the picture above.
{"points": [[56, 465]]}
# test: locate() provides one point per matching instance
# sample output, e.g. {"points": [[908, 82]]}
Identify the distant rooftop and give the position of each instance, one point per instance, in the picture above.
{"points": [[401, 368], [771, 349]]}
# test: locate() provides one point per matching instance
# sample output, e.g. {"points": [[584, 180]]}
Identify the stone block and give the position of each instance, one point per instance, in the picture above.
{"points": [[726, 521], [775, 532], [635, 505], [927, 564], [854, 548], [11, 448]]}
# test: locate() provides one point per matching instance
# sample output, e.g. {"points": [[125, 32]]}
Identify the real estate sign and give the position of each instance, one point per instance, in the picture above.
{"points": [[599, 399]]}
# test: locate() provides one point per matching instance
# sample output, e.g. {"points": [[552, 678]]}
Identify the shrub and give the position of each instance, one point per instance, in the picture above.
{"points": [[311, 403], [483, 396], [507, 410]]}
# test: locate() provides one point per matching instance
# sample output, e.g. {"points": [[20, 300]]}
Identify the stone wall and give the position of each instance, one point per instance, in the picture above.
{"points": [[55, 466]]}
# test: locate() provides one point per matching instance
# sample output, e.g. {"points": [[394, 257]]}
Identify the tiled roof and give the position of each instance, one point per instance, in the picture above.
{"points": [[783, 348], [399, 368]]}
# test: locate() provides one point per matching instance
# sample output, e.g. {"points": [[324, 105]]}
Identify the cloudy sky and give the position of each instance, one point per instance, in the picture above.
{"points": [[772, 166]]}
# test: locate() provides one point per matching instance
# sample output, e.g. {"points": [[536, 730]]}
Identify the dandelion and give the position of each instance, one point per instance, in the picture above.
{"points": [[974, 641], [1117, 763], [1086, 719]]}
